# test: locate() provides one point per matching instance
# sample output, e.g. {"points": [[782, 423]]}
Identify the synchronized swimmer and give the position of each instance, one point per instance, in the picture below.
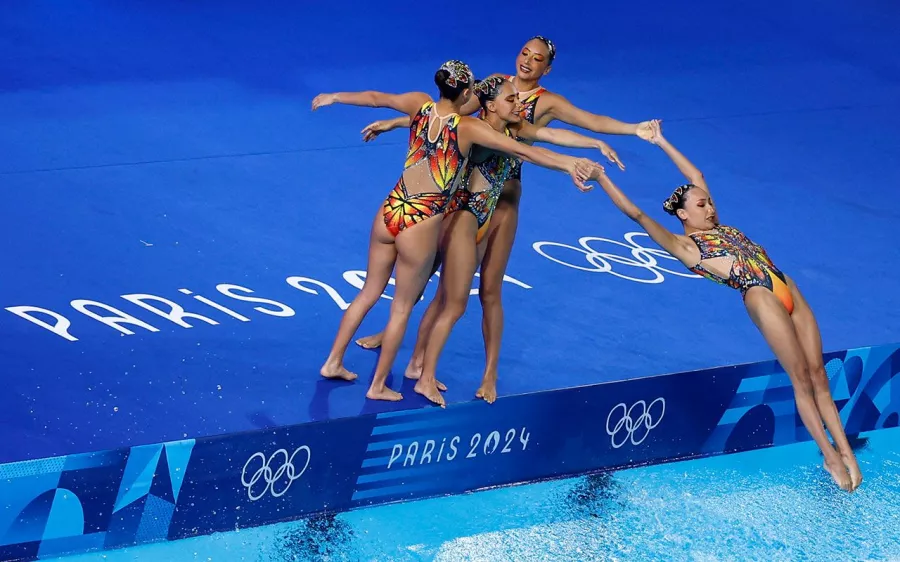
{"points": [[539, 107], [461, 187], [465, 237], [725, 255], [407, 226]]}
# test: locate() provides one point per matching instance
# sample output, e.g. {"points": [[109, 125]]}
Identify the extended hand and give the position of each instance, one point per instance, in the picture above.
{"points": [[655, 131], [581, 170], [598, 173], [322, 100], [611, 155], [372, 130], [645, 129]]}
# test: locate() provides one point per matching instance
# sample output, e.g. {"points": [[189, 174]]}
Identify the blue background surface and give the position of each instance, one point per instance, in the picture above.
{"points": [[188, 127]]}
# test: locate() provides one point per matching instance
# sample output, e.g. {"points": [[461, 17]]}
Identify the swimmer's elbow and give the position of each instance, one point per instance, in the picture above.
{"points": [[373, 99]]}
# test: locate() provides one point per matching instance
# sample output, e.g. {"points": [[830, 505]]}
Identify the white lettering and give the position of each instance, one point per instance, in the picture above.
{"points": [[296, 281], [479, 446], [396, 451], [441, 452], [123, 322], [216, 305], [426, 452], [61, 328], [228, 290], [177, 314], [453, 443], [411, 453], [112, 321]]}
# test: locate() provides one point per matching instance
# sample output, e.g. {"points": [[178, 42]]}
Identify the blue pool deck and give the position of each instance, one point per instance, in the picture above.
{"points": [[140, 157], [159, 158]]}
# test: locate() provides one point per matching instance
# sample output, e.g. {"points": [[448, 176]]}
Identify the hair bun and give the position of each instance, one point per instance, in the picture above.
{"points": [[440, 77], [676, 200]]}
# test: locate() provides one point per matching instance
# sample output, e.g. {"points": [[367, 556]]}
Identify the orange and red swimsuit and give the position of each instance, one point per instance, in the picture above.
{"points": [[403, 210]]}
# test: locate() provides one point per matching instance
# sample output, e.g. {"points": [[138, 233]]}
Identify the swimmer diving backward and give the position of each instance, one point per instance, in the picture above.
{"points": [[727, 256]]}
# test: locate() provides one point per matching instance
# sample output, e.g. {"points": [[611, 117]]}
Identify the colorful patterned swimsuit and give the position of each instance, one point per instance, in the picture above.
{"points": [[527, 112], [442, 156], [495, 168], [751, 267]]}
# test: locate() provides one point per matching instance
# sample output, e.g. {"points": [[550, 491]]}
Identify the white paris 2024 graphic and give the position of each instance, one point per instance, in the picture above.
{"points": [[643, 266]]}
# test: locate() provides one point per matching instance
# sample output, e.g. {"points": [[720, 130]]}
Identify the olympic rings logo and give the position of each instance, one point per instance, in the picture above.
{"points": [[601, 262], [286, 471], [629, 428]]}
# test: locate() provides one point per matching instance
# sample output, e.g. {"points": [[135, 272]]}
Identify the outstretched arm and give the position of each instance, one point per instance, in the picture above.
{"points": [[375, 128], [408, 103], [685, 166], [676, 245], [562, 109], [480, 133], [563, 137]]}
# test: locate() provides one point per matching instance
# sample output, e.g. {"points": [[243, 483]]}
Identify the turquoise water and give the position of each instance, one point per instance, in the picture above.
{"points": [[772, 504]]}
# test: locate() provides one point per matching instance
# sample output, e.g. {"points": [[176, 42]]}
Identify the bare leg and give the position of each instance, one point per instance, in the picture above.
{"points": [[416, 362], [776, 326], [382, 255], [414, 369], [374, 341], [416, 248], [811, 340], [500, 237], [456, 279]]}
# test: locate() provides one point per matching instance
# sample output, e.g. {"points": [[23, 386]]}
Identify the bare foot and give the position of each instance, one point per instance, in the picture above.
{"points": [[330, 371], [370, 342], [383, 393], [413, 370], [856, 476], [488, 390], [430, 391], [839, 473]]}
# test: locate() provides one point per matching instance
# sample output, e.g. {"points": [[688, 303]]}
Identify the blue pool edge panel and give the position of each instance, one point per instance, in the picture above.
{"points": [[123, 497]]}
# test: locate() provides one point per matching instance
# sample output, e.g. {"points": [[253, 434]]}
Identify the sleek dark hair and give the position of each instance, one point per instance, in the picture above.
{"points": [[676, 200], [551, 48], [452, 78], [488, 89]]}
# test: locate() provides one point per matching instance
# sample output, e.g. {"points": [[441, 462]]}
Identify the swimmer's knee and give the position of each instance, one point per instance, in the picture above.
{"points": [[819, 379], [368, 296], [401, 308], [803, 384], [454, 308], [489, 295]]}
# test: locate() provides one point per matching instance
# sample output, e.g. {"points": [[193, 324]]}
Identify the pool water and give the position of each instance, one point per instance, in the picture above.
{"points": [[771, 504]]}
